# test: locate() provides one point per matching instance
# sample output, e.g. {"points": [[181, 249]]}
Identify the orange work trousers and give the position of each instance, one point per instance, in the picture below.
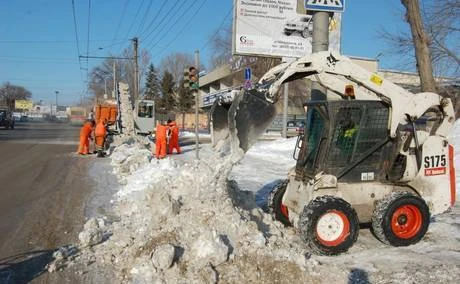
{"points": [[83, 147], [174, 144], [99, 141], [160, 148]]}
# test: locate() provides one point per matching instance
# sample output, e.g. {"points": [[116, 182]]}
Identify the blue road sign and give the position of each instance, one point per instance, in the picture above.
{"points": [[247, 73], [337, 6]]}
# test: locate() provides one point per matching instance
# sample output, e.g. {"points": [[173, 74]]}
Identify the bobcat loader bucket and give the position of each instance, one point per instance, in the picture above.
{"points": [[240, 122]]}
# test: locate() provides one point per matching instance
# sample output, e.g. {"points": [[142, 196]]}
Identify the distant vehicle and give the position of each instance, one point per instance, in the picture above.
{"points": [[6, 118], [77, 115], [17, 116], [302, 25], [295, 128]]}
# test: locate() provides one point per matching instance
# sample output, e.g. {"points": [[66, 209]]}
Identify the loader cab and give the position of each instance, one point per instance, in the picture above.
{"points": [[345, 139], [144, 116]]}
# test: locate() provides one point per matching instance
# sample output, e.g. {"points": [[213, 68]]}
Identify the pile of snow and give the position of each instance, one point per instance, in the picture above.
{"points": [[181, 220]]}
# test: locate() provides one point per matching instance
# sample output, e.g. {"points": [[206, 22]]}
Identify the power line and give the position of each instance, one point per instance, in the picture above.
{"points": [[135, 17], [144, 18], [153, 19], [218, 29], [183, 28], [87, 43], [161, 21], [76, 38], [174, 24], [121, 19]]}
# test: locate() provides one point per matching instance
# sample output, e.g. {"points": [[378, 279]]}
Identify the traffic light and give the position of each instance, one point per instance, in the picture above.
{"points": [[191, 78]]}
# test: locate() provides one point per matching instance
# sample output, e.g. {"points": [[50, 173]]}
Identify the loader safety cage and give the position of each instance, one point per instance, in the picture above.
{"points": [[344, 138]]}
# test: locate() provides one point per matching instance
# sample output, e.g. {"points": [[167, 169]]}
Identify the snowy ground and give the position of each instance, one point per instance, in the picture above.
{"points": [[179, 220]]}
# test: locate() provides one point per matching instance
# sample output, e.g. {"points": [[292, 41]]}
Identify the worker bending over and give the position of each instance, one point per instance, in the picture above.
{"points": [[85, 136], [174, 138], [99, 137], [160, 144]]}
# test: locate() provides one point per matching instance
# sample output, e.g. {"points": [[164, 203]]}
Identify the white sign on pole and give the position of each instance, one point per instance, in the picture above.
{"points": [[325, 5], [277, 28]]}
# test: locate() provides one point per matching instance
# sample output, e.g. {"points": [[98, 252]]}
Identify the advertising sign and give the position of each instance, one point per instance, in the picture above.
{"points": [[23, 104], [277, 28]]}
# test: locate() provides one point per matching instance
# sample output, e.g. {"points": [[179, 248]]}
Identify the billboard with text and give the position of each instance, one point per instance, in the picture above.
{"points": [[277, 28]]}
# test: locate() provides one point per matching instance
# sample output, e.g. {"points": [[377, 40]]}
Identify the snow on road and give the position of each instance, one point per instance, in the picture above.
{"points": [[186, 221]]}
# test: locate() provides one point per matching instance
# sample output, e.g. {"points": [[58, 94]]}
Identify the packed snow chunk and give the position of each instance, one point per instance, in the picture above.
{"points": [[208, 248], [164, 205], [60, 256], [92, 233], [126, 159], [163, 256]]}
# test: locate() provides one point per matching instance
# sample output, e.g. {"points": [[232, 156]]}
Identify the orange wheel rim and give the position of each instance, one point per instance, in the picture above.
{"points": [[406, 221], [332, 228], [284, 211]]}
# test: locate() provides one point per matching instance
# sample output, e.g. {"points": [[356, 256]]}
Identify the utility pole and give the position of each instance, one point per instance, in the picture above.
{"points": [[114, 80], [136, 69], [197, 66], [320, 42], [57, 92]]}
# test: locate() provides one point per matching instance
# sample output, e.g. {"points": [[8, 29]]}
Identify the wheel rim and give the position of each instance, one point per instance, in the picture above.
{"points": [[284, 211], [406, 221], [332, 228]]}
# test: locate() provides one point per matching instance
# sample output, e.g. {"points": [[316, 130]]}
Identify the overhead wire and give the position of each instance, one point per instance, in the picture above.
{"points": [[182, 30], [144, 18], [87, 43], [161, 21], [153, 19], [165, 33], [134, 20], [123, 13], [218, 29], [76, 38]]}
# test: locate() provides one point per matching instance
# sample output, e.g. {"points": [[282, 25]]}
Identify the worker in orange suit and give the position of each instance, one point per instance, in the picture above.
{"points": [[85, 136], [160, 144], [99, 137], [174, 138]]}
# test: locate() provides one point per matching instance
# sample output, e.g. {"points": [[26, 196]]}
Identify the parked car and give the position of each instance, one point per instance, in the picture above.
{"points": [[295, 128], [302, 25], [6, 118]]}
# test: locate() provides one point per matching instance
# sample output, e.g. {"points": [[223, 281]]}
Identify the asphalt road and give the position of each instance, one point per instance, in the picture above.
{"points": [[43, 187]]}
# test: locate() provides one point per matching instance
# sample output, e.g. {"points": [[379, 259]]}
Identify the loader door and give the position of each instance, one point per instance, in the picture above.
{"points": [[358, 137]]}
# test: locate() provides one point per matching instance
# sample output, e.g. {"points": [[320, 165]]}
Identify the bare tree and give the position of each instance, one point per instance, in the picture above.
{"points": [[175, 64], [421, 43], [441, 27], [10, 93], [102, 75]]}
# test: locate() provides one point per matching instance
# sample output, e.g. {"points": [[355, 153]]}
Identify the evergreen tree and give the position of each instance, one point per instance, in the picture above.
{"points": [[185, 99], [152, 85], [167, 83]]}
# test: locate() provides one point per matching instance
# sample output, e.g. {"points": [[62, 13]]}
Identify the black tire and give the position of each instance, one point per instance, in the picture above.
{"points": [[334, 214], [277, 209], [400, 219]]}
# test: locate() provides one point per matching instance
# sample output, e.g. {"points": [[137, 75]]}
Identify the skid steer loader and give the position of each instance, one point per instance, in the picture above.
{"points": [[371, 153]]}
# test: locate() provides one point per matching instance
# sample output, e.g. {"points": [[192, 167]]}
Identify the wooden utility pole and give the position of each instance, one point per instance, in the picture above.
{"points": [[136, 69], [197, 64], [421, 44]]}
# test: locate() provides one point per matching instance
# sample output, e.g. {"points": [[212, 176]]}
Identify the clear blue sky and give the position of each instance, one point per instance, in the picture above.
{"points": [[38, 48]]}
